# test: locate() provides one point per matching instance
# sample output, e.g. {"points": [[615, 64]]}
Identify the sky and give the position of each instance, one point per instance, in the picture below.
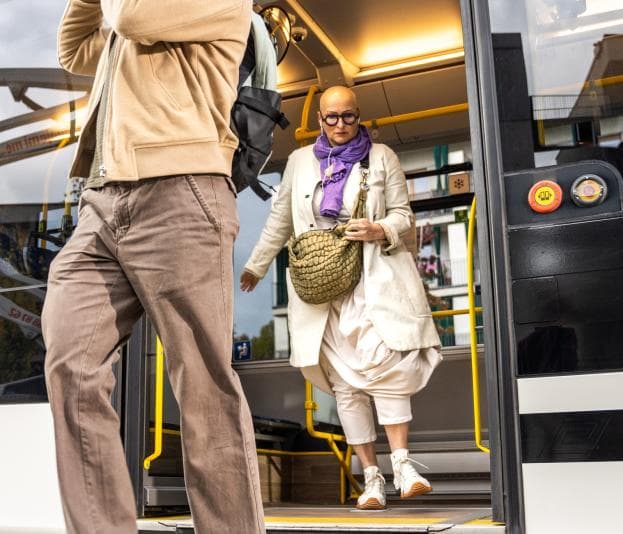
{"points": [[28, 39]]}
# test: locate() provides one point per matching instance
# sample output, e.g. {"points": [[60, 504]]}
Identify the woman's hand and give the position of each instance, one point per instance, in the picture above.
{"points": [[364, 230], [248, 281]]}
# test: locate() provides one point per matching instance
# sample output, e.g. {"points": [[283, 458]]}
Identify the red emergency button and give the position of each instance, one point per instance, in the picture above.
{"points": [[545, 196]]}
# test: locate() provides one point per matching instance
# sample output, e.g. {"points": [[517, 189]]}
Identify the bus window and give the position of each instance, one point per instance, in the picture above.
{"points": [[37, 203], [260, 325], [559, 64]]}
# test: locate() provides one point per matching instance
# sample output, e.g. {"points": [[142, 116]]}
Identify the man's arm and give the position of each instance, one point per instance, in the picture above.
{"points": [[151, 21], [81, 37]]}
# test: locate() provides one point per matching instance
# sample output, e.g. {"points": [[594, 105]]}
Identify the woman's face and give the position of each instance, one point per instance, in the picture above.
{"points": [[339, 120]]}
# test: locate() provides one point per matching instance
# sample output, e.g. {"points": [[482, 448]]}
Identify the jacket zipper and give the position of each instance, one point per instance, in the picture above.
{"points": [[111, 73], [92, 115]]}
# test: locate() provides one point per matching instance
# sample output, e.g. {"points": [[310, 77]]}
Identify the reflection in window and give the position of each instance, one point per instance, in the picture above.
{"points": [[559, 72], [41, 111], [21, 347]]}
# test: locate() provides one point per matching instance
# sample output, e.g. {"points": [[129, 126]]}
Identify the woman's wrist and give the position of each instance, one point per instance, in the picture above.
{"points": [[381, 234]]}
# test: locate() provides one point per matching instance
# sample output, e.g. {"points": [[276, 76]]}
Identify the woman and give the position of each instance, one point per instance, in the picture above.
{"points": [[379, 341]]}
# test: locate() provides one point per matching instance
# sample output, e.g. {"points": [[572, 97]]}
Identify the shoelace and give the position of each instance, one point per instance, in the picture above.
{"points": [[416, 462], [375, 484], [411, 471]]}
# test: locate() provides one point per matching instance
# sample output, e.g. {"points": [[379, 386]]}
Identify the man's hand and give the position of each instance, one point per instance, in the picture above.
{"points": [[364, 230], [248, 281]]}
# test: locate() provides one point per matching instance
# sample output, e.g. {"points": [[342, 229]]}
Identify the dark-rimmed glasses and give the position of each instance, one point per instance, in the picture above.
{"points": [[331, 119]]}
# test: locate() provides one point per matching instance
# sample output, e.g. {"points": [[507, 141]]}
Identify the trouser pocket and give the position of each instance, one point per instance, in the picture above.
{"points": [[201, 200]]}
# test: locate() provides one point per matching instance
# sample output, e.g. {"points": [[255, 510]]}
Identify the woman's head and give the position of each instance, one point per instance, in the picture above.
{"points": [[339, 115]]}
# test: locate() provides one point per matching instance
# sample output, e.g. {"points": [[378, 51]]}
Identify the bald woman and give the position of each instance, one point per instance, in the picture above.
{"points": [[378, 342]]}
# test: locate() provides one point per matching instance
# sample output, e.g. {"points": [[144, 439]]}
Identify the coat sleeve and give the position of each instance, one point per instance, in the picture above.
{"points": [[81, 37], [398, 215], [278, 227], [151, 21]]}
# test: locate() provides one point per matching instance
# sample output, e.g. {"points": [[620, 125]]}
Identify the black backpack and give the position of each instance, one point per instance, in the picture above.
{"points": [[253, 119]]}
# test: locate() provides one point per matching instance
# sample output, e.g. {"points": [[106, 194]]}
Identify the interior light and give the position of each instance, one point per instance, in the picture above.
{"points": [[416, 62], [399, 48]]}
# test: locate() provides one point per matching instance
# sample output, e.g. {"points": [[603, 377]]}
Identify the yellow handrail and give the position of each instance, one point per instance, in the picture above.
{"points": [[472, 327], [447, 313], [159, 394], [276, 452], [305, 114], [302, 134], [310, 407]]}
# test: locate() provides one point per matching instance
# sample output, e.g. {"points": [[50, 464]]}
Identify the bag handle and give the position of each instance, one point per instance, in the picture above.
{"points": [[364, 169]]}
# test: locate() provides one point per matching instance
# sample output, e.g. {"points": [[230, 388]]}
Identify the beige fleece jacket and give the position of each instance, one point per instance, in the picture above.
{"points": [[173, 80]]}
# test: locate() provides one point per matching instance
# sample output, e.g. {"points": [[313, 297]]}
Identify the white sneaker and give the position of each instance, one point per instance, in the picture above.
{"points": [[406, 478], [373, 496]]}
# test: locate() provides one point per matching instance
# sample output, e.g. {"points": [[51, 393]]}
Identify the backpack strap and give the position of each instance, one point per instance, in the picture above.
{"points": [[261, 107], [256, 187], [247, 66]]}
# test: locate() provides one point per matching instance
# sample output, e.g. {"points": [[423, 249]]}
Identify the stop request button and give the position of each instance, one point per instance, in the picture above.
{"points": [[545, 196]]}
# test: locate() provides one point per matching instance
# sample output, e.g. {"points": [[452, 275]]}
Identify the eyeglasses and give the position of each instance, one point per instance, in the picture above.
{"points": [[331, 119]]}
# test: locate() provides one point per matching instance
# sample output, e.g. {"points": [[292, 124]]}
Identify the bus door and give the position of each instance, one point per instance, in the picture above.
{"points": [[546, 100]]}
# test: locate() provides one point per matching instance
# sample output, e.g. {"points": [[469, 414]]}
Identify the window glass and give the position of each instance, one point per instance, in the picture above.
{"points": [[559, 77], [442, 201], [37, 202], [559, 72], [260, 324]]}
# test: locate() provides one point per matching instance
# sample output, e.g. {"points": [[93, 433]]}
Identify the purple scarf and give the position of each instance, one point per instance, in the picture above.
{"points": [[336, 162]]}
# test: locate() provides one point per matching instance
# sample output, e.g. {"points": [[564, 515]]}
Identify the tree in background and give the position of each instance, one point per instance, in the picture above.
{"points": [[263, 346]]}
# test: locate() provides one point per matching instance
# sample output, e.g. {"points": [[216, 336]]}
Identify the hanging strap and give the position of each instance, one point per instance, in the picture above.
{"points": [[364, 169]]}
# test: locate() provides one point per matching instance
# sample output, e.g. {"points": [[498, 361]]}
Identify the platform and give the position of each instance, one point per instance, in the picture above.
{"points": [[329, 519]]}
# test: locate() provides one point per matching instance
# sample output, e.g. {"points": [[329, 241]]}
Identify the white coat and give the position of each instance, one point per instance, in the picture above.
{"points": [[394, 294]]}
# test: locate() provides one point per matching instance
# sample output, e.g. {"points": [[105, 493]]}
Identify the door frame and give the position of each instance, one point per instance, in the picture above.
{"points": [[135, 415], [503, 420]]}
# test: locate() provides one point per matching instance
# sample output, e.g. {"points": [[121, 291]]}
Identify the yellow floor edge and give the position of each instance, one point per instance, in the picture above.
{"points": [[357, 520]]}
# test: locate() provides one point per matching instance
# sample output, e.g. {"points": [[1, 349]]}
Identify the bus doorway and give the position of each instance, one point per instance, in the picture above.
{"points": [[410, 80], [539, 145], [407, 65], [515, 104]]}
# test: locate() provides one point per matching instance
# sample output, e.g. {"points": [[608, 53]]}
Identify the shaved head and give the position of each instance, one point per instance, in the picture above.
{"points": [[337, 96], [339, 105]]}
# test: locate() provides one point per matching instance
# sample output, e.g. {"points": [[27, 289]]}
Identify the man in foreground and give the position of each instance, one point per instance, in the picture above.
{"points": [[156, 230]]}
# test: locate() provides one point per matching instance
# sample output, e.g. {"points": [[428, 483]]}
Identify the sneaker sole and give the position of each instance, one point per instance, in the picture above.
{"points": [[417, 489], [371, 504]]}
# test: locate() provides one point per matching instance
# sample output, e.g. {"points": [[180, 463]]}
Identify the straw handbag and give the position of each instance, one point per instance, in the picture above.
{"points": [[323, 264]]}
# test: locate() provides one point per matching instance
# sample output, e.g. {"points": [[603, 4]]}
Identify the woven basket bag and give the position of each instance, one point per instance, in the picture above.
{"points": [[323, 264]]}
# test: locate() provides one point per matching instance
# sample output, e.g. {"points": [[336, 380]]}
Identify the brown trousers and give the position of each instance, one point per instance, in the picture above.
{"points": [[164, 246]]}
